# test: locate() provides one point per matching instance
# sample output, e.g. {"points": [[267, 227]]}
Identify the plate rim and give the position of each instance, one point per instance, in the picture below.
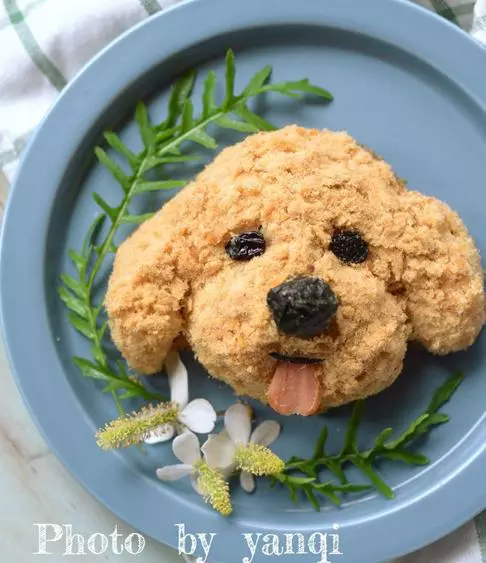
{"points": [[231, 17]]}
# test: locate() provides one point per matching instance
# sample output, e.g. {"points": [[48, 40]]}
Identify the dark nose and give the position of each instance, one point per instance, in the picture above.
{"points": [[302, 306]]}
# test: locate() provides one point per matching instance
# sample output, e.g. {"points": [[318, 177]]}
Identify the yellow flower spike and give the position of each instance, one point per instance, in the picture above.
{"points": [[134, 428], [258, 460], [214, 489]]}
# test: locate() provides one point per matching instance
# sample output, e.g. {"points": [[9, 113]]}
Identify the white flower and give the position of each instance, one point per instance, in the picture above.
{"points": [[221, 450], [186, 448], [198, 415], [208, 481]]}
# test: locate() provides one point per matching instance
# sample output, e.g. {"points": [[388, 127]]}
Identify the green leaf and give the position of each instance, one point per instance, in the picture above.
{"points": [[310, 470], [312, 498], [102, 330], [209, 103], [320, 444], [300, 480], [329, 493], [111, 387], [406, 457], [143, 187], [114, 383], [93, 232], [365, 467], [187, 116], [136, 219], [335, 467], [202, 138], [283, 91], [98, 354], [242, 126], [350, 445], [409, 434], [89, 369], [382, 438], [434, 419], [229, 78], [281, 477], [154, 161], [74, 285], [254, 119], [81, 325], [73, 302], [78, 260], [165, 135], [119, 146], [445, 392], [113, 167], [258, 80], [122, 369], [308, 88], [348, 488], [119, 407], [332, 497], [112, 212], [296, 464], [293, 88], [147, 133], [180, 92], [130, 394]]}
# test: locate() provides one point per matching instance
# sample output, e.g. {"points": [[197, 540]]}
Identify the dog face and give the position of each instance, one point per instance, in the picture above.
{"points": [[297, 266]]}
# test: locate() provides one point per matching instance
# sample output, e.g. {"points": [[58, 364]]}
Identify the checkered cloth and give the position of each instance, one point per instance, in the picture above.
{"points": [[43, 43]]}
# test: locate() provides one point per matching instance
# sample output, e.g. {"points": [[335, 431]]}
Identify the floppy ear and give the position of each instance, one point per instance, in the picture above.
{"points": [[443, 279], [145, 297]]}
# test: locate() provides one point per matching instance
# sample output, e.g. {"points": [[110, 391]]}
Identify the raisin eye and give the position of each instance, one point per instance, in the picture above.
{"points": [[349, 247], [246, 246]]}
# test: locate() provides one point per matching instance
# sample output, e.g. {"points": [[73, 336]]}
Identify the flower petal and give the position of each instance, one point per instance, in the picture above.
{"points": [[266, 433], [238, 424], [247, 481], [160, 434], [219, 451], [177, 374], [199, 416], [186, 448], [174, 472]]}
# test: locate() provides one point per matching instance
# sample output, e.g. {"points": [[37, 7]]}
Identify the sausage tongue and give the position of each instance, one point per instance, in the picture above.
{"points": [[294, 389]]}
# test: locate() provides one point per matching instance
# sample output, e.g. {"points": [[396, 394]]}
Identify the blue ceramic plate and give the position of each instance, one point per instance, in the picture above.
{"points": [[406, 84]]}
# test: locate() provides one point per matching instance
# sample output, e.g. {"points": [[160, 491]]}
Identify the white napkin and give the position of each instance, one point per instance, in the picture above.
{"points": [[43, 44]]}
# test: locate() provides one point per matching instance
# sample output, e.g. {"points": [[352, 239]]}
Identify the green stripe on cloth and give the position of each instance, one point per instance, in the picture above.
{"points": [[444, 10], [42, 62], [28, 8], [150, 6]]}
